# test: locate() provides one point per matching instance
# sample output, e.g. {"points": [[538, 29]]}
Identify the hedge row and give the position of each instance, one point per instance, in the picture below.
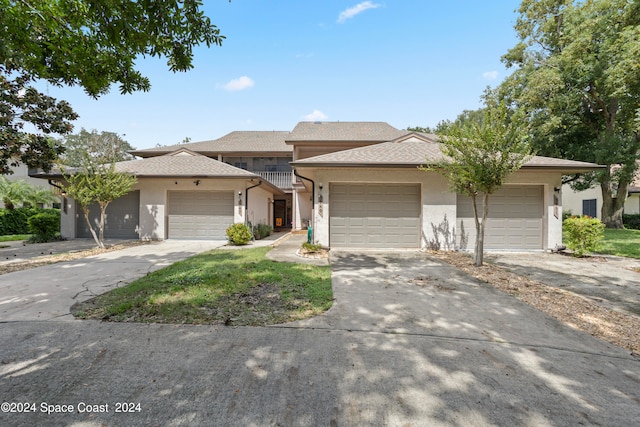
{"points": [[16, 221], [631, 221]]}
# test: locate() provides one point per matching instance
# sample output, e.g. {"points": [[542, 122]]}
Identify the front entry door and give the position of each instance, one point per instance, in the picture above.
{"points": [[280, 214]]}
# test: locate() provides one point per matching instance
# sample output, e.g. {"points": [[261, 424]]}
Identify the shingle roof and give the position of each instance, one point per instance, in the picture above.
{"points": [[415, 149], [343, 131], [182, 162], [234, 142]]}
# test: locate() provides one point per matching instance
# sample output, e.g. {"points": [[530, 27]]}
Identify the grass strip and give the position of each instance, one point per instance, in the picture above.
{"points": [[230, 287]]}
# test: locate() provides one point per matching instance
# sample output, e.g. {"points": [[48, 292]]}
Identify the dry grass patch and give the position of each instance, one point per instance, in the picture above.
{"points": [[618, 328]]}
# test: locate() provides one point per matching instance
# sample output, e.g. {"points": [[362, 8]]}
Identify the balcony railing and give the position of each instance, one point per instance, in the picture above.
{"points": [[279, 179]]}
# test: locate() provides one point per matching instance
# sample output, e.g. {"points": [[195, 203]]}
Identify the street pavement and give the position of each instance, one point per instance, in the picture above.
{"points": [[410, 341]]}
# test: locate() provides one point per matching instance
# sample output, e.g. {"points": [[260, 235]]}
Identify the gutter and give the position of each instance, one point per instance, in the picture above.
{"points": [[313, 201], [246, 200]]}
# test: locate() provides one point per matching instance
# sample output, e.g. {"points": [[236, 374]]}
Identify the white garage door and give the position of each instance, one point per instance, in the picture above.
{"points": [[514, 221], [121, 218], [374, 215], [199, 214]]}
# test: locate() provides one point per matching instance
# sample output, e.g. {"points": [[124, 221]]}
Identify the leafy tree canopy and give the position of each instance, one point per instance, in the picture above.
{"points": [[101, 148], [91, 44], [577, 75], [480, 155], [467, 117]]}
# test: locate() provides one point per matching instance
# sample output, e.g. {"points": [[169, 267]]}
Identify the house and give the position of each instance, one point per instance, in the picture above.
{"points": [[356, 184], [589, 202]]}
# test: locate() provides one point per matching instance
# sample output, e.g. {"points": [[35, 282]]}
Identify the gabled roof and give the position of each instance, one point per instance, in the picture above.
{"points": [[182, 162], [415, 149], [343, 131], [264, 142]]}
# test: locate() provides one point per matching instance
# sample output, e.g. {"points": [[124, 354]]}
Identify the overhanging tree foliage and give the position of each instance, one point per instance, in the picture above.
{"points": [[578, 77], [91, 44], [480, 155], [99, 184]]}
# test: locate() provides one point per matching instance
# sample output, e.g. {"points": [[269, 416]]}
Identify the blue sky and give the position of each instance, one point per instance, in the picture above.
{"points": [[405, 62]]}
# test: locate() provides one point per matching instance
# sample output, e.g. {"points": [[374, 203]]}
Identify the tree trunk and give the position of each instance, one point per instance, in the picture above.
{"points": [[93, 233], [613, 207], [478, 257], [103, 210]]}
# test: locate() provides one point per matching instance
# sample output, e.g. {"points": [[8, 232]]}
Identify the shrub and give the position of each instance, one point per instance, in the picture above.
{"points": [[583, 234], [566, 214], [261, 231], [239, 234], [14, 221], [44, 225], [631, 221], [311, 247]]}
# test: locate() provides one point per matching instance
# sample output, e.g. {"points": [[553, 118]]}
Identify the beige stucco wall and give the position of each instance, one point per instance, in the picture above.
{"points": [[260, 206], [632, 205], [68, 218], [573, 200], [438, 202]]}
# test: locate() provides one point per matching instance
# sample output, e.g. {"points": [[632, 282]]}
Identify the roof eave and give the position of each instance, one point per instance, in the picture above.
{"points": [[356, 165], [561, 168]]}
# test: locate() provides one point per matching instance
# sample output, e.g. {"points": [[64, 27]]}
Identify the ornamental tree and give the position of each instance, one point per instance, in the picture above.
{"points": [[99, 184], [479, 156]]}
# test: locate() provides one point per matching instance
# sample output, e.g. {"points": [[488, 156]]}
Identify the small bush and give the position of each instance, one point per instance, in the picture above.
{"points": [[631, 221], [239, 234], [44, 226], [14, 221], [566, 214], [261, 231], [311, 247], [583, 234]]}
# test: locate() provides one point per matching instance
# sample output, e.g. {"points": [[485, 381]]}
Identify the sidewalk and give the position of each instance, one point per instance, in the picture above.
{"points": [[286, 248]]}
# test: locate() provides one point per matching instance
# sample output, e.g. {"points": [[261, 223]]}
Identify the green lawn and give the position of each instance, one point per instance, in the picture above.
{"points": [[14, 237], [621, 242], [231, 287]]}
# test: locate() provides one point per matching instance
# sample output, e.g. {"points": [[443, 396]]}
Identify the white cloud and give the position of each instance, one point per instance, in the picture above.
{"points": [[490, 75], [316, 115], [355, 10], [240, 83]]}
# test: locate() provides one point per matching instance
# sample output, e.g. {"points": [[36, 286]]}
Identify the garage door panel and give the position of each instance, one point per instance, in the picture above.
{"points": [[121, 220], [375, 215], [199, 214], [515, 218]]}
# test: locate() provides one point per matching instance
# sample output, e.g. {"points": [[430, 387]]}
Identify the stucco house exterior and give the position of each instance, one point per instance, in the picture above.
{"points": [[589, 202], [356, 184]]}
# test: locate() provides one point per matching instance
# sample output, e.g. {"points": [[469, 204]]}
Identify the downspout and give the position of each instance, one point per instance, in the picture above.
{"points": [[313, 202], [62, 194], [246, 201]]}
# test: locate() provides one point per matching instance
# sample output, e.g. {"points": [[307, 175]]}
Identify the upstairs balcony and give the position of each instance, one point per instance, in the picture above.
{"points": [[282, 180]]}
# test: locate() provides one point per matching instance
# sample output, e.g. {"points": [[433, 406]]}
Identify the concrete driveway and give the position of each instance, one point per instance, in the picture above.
{"points": [[409, 341], [48, 292]]}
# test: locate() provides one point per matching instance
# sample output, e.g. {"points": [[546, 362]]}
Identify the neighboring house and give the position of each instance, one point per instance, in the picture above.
{"points": [[589, 202], [357, 184]]}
